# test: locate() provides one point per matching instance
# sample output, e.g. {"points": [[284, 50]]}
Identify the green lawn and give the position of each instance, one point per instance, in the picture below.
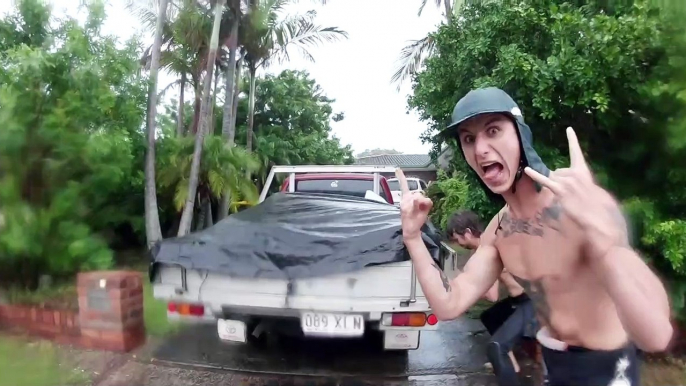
{"points": [[35, 363], [155, 311]]}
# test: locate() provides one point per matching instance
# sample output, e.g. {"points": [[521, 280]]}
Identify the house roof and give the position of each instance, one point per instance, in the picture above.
{"points": [[399, 160]]}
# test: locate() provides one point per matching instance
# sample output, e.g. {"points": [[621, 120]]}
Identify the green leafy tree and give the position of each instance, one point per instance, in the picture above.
{"points": [[221, 168], [203, 128], [71, 108], [613, 72], [293, 123]]}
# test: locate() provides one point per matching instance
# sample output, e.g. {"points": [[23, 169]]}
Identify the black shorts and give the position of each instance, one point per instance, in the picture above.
{"points": [[496, 315], [578, 366]]}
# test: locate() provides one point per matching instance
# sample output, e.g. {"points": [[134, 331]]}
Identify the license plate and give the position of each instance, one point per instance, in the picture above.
{"points": [[323, 324], [231, 330], [401, 340]]}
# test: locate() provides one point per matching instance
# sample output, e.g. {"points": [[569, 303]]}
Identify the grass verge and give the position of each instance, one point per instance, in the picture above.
{"points": [[155, 314], [28, 363]]}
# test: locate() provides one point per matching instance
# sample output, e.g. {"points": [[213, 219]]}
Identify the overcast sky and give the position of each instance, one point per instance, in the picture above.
{"points": [[356, 72]]}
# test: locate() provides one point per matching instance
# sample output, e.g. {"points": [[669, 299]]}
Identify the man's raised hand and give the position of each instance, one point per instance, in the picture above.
{"points": [[586, 203], [414, 208], [562, 181]]}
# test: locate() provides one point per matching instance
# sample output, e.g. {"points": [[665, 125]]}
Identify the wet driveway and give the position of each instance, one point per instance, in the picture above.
{"points": [[455, 354]]}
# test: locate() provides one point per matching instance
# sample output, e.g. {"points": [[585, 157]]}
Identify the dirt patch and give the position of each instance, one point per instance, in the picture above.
{"points": [[136, 373], [664, 372]]}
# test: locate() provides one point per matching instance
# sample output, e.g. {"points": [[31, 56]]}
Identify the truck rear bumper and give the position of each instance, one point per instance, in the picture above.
{"points": [[240, 331]]}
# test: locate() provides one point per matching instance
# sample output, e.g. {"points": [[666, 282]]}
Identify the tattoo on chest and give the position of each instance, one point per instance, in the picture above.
{"points": [[536, 292], [548, 217], [444, 278]]}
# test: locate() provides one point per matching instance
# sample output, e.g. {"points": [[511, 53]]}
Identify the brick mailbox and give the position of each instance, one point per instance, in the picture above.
{"points": [[111, 310]]}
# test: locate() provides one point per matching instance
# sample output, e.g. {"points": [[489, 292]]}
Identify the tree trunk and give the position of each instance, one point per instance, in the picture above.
{"points": [[231, 79], [209, 218], [448, 9], [237, 91], [228, 110], [153, 230], [210, 113], [251, 114], [196, 109], [187, 215], [251, 108], [224, 206], [202, 212], [180, 129]]}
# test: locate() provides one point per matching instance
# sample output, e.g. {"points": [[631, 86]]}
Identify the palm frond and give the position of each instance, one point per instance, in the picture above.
{"points": [[269, 32], [181, 194], [166, 88], [412, 57], [301, 34], [216, 182], [145, 13], [421, 8]]}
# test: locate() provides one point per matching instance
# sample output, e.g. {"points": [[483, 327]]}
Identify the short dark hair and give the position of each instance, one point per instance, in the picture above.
{"points": [[460, 221]]}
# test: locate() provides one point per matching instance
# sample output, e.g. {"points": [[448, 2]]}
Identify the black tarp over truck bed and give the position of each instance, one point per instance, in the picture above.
{"points": [[295, 236]]}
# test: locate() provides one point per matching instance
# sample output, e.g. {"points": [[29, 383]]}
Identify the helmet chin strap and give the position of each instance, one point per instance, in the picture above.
{"points": [[518, 176]]}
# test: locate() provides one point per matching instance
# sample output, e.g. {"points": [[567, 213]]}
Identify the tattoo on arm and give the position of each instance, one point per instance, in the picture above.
{"points": [[444, 278]]}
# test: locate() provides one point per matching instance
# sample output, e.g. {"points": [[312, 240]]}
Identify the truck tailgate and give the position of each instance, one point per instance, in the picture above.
{"points": [[366, 290]]}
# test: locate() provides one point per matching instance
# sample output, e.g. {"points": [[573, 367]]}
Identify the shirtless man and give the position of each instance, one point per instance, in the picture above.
{"points": [[509, 319], [561, 236]]}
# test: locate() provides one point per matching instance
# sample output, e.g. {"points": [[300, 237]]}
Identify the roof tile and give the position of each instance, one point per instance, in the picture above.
{"points": [[400, 160]]}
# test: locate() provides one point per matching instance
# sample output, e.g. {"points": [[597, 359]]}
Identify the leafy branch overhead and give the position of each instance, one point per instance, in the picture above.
{"points": [[612, 71], [73, 145]]}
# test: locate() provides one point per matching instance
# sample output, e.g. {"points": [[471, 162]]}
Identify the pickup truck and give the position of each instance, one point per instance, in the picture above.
{"points": [[413, 183], [381, 299]]}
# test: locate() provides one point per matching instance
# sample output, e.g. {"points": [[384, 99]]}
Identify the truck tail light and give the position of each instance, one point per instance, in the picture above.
{"points": [[404, 319], [186, 309]]}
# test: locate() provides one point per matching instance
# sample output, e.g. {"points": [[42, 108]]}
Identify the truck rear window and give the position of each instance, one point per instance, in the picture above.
{"points": [[395, 185], [356, 188]]}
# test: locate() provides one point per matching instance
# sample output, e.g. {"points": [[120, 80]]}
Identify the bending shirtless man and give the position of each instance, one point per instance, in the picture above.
{"points": [[561, 236], [509, 319]]}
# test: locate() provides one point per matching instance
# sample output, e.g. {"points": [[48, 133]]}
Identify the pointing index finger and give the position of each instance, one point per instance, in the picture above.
{"points": [[402, 181]]}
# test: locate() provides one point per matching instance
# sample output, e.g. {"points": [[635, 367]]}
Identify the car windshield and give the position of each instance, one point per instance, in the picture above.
{"points": [[394, 185]]}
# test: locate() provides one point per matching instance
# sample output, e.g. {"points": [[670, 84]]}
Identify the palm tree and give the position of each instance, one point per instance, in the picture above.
{"points": [[267, 36], [186, 48], [152, 219], [449, 5], [233, 72], [232, 68], [187, 214], [413, 55], [222, 168]]}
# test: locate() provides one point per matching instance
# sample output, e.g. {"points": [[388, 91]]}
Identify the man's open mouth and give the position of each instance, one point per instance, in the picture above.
{"points": [[491, 170]]}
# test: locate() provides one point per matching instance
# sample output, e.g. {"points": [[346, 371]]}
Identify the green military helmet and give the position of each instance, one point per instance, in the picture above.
{"points": [[494, 100]]}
